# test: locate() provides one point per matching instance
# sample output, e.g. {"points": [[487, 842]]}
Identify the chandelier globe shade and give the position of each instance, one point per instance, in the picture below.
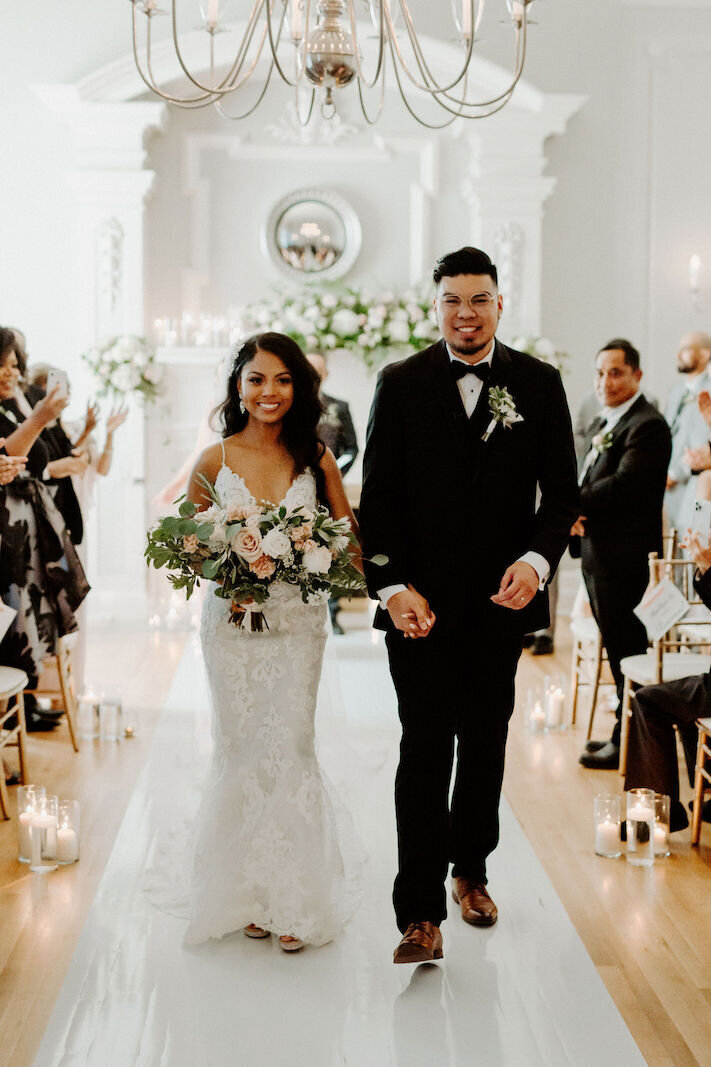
{"points": [[320, 47]]}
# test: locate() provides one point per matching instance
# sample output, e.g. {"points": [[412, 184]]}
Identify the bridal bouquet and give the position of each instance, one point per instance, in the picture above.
{"points": [[248, 548]]}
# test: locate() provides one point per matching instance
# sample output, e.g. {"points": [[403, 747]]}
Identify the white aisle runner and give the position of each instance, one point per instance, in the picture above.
{"points": [[522, 994]]}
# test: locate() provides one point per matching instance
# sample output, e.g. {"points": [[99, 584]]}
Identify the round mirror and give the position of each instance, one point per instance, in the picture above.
{"points": [[314, 234]]}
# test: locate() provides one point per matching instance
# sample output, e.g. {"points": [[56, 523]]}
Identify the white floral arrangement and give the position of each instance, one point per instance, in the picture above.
{"points": [[366, 322], [542, 349], [124, 365]]}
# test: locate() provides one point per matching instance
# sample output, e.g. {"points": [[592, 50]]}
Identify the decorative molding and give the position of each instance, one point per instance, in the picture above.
{"points": [[509, 242], [110, 255], [319, 131]]}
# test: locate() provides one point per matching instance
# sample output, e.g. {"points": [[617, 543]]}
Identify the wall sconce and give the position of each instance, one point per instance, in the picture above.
{"points": [[694, 279]]}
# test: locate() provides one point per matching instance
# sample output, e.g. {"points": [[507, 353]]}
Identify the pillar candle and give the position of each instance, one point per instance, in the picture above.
{"points": [[67, 845], [607, 837]]}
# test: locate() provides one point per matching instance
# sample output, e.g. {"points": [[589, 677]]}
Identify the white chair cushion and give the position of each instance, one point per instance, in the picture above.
{"points": [[643, 669], [584, 628], [12, 681]]}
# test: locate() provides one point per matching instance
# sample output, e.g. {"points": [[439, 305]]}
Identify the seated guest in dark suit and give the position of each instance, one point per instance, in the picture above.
{"points": [[622, 478], [337, 432], [651, 753]]}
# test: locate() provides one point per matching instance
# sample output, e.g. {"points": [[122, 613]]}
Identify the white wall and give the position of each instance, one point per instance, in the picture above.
{"points": [[629, 207]]}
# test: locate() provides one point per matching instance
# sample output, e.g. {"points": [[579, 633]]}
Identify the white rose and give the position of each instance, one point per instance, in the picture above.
{"points": [[422, 330], [544, 348], [125, 347], [312, 341], [399, 331], [415, 312], [126, 378], [329, 300], [317, 560], [275, 543], [104, 369], [329, 340], [321, 323], [312, 313], [344, 322], [400, 315], [219, 533], [152, 374]]}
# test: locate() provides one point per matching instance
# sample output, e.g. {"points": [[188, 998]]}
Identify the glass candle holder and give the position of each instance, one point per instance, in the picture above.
{"points": [[110, 718], [88, 722], [662, 807], [640, 827], [26, 795], [68, 832], [535, 711], [554, 697], [43, 835], [607, 810]]}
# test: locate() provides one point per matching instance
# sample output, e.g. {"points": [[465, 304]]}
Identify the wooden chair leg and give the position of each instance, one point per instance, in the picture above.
{"points": [[595, 686], [698, 789], [575, 679], [67, 689], [22, 737], [4, 801], [624, 724]]}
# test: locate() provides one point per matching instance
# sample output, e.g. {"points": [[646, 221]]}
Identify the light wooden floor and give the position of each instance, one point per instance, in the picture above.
{"points": [[648, 931]]}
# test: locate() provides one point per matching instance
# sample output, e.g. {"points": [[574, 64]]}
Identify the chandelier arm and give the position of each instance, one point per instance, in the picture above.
{"points": [[416, 117], [519, 62], [274, 45], [224, 86], [416, 48], [219, 106], [366, 116], [362, 80], [441, 94], [148, 78], [304, 123]]}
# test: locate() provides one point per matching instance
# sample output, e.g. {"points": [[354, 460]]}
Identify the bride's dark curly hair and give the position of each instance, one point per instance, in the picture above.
{"points": [[299, 426]]}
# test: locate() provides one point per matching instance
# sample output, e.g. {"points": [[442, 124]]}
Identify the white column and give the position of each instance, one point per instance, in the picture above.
{"points": [[111, 186]]}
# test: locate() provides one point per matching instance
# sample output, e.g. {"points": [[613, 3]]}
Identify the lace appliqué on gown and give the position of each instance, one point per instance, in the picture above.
{"points": [[266, 849]]}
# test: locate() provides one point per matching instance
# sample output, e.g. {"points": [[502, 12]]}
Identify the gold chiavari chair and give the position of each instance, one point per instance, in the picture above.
{"points": [[12, 735], [668, 658], [57, 683], [702, 777]]}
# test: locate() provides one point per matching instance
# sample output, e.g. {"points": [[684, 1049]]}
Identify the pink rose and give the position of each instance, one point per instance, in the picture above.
{"points": [[190, 542], [236, 513], [250, 510], [263, 567], [301, 533], [247, 544], [309, 545]]}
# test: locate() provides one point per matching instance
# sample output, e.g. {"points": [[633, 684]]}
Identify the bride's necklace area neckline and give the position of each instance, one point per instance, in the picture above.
{"points": [[263, 501]]}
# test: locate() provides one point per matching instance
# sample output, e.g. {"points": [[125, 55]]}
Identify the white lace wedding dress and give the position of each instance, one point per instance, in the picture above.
{"points": [[265, 842]]}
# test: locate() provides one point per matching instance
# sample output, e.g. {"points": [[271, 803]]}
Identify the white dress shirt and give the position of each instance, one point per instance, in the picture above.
{"points": [[470, 387]]}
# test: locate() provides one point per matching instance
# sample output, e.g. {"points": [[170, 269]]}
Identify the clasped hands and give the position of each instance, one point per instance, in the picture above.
{"points": [[413, 617]]}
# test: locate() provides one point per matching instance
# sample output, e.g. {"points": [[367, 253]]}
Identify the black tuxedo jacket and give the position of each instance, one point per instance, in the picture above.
{"points": [[452, 512], [623, 494]]}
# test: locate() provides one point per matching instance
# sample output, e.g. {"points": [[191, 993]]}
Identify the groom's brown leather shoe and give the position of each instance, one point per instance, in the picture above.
{"points": [[420, 943], [478, 909]]}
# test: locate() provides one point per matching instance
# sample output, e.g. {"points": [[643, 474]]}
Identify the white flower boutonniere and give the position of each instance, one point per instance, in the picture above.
{"points": [[503, 410], [602, 441]]}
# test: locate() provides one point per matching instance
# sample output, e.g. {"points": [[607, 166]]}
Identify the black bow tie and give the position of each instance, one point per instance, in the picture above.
{"points": [[459, 369]]}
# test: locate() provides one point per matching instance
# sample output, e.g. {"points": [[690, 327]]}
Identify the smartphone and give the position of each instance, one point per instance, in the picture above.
{"points": [[57, 377]]}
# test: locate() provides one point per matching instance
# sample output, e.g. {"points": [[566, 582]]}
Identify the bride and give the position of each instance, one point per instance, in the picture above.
{"points": [[267, 858]]}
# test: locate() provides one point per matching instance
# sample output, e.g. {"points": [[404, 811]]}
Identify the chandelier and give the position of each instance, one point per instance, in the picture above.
{"points": [[317, 47]]}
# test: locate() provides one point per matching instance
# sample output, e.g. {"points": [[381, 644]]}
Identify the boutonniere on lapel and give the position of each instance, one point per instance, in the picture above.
{"points": [[601, 442], [503, 410]]}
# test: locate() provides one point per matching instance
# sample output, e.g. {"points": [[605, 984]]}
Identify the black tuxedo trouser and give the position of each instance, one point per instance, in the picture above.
{"points": [[613, 601], [449, 686], [651, 755]]}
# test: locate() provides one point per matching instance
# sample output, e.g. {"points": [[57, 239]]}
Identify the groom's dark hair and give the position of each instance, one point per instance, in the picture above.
{"points": [[467, 260]]}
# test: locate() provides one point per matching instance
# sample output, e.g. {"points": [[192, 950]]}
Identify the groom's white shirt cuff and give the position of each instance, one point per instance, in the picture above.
{"points": [[540, 565]]}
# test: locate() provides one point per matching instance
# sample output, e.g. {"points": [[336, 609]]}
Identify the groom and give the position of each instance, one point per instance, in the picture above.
{"points": [[468, 558]]}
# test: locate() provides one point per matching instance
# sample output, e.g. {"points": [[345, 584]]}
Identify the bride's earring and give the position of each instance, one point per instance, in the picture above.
{"points": [[242, 407]]}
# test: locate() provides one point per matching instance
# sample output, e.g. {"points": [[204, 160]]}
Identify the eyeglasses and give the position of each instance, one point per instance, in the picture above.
{"points": [[478, 302]]}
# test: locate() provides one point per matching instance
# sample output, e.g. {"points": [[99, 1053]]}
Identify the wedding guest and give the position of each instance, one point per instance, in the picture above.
{"points": [[449, 497], [622, 479], [41, 577], [652, 761], [337, 432], [687, 425]]}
